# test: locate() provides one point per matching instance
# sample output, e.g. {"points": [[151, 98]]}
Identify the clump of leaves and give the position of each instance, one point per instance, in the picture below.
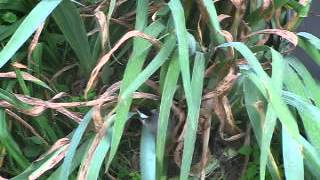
{"points": [[217, 74]]}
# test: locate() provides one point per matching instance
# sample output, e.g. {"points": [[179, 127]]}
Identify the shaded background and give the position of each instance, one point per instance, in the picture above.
{"points": [[311, 25]]}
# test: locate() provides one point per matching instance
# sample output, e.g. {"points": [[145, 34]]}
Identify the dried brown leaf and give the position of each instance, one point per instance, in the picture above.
{"points": [[95, 72], [266, 4], [58, 144], [237, 3], [40, 105], [222, 17], [288, 35], [34, 41], [19, 65], [53, 162], [102, 21], [26, 76]]}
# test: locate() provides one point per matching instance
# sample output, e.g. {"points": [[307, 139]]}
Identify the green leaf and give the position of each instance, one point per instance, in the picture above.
{"points": [[312, 89], [269, 124], [252, 101], [169, 89], [34, 19], [311, 45], [274, 97], [79, 155], [98, 156], [155, 64], [9, 143], [68, 19], [12, 99], [182, 35], [75, 141], [133, 68], [292, 157], [209, 5], [9, 17], [309, 113], [193, 114]]}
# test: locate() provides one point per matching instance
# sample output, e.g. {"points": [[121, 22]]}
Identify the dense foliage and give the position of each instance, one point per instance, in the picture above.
{"points": [[232, 101]]}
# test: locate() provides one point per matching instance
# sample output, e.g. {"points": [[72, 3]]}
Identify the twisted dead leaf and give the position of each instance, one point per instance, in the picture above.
{"points": [[288, 35], [102, 21], [266, 4], [57, 145], [52, 163], [34, 41], [95, 72]]}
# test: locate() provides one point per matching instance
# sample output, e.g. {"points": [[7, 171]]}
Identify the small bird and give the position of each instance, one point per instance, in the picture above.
{"points": [[149, 118]]}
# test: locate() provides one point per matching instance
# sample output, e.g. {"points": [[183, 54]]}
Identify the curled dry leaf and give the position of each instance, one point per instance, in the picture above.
{"points": [[266, 4], [237, 3], [102, 21], [228, 36], [95, 72], [288, 35], [40, 105], [19, 65], [222, 108], [34, 41], [222, 17], [26, 76], [57, 145], [50, 164]]}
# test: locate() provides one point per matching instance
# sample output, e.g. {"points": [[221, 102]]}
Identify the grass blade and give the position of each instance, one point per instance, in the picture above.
{"points": [[67, 163], [155, 64], [193, 114], [183, 49], [252, 101], [292, 157], [269, 124], [133, 68], [273, 96], [98, 156], [68, 19], [8, 142], [29, 25], [311, 45], [169, 89], [311, 87], [295, 85]]}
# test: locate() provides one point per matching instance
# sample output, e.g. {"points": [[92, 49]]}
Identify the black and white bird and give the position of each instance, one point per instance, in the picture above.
{"points": [[149, 118]]}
